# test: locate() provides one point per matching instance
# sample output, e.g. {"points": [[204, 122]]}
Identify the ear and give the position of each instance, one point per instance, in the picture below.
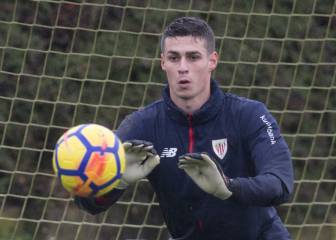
{"points": [[162, 62], [213, 60]]}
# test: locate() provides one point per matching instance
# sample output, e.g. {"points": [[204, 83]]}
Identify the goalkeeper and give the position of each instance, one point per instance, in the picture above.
{"points": [[222, 164]]}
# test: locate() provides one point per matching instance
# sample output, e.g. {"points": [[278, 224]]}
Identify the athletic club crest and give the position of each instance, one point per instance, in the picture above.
{"points": [[220, 147]]}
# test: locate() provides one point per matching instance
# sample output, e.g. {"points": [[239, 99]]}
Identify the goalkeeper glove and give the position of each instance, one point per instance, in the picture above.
{"points": [[141, 159], [206, 173]]}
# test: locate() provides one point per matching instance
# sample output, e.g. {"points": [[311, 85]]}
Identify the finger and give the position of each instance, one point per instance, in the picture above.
{"points": [[137, 148], [209, 160], [149, 154], [148, 147], [150, 163], [192, 155], [150, 150], [199, 157], [188, 166], [189, 161], [206, 157], [191, 170], [153, 161], [192, 161], [138, 142], [143, 147], [130, 147], [188, 158], [127, 145]]}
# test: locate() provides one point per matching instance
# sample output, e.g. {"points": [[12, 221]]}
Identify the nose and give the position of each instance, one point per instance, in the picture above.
{"points": [[183, 66]]}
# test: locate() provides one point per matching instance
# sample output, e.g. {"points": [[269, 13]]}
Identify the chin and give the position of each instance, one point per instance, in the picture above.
{"points": [[185, 96]]}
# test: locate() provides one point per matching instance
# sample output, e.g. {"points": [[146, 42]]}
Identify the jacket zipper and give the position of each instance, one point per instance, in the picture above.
{"points": [[191, 135], [191, 149]]}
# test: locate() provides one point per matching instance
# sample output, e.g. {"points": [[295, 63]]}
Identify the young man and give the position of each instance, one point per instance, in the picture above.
{"points": [[223, 164]]}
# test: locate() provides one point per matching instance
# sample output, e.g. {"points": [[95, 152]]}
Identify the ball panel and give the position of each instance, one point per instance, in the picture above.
{"points": [[75, 185], [100, 167], [108, 188], [98, 135], [70, 153], [69, 132]]}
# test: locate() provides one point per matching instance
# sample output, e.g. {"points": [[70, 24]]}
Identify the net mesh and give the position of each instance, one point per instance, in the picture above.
{"points": [[63, 63]]}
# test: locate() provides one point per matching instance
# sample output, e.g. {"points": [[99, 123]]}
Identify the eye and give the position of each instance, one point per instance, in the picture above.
{"points": [[173, 58], [194, 57]]}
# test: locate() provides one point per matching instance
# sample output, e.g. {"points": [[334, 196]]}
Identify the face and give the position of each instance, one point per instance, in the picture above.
{"points": [[188, 67]]}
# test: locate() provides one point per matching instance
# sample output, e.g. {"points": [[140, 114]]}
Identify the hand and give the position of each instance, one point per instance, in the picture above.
{"points": [[206, 173], [141, 159]]}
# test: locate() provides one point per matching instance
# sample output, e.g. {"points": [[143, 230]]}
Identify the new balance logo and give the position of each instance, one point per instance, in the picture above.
{"points": [[169, 152]]}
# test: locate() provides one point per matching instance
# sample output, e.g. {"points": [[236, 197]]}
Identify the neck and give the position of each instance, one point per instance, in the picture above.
{"points": [[191, 105]]}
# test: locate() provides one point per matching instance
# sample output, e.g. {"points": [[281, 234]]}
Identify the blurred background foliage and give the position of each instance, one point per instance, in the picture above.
{"points": [[69, 62]]}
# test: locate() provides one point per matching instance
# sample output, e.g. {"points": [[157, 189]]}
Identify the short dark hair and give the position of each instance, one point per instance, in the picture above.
{"points": [[190, 26]]}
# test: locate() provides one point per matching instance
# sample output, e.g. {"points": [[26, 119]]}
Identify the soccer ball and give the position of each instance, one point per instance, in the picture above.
{"points": [[89, 160]]}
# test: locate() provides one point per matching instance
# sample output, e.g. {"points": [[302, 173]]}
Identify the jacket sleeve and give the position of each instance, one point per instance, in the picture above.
{"points": [[95, 205], [127, 130], [270, 157]]}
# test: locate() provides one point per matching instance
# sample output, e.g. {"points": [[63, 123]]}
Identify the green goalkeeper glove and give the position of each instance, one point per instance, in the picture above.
{"points": [[206, 173], [141, 159]]}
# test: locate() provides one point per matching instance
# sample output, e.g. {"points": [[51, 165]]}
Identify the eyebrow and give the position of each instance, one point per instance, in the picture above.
{"points": [[190, 52]]}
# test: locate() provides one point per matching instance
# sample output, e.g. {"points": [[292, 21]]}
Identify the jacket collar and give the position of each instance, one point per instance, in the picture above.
{"points": [[209, 109]]}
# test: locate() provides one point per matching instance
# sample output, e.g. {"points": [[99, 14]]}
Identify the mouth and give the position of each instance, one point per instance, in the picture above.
{"points": [[183, 82]]}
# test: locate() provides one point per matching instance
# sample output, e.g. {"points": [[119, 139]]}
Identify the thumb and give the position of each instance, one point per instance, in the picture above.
{"points": [[151, 163], [208, 160]]}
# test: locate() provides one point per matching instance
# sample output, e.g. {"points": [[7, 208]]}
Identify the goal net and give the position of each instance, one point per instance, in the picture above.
{"points": [[64, 63]]}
